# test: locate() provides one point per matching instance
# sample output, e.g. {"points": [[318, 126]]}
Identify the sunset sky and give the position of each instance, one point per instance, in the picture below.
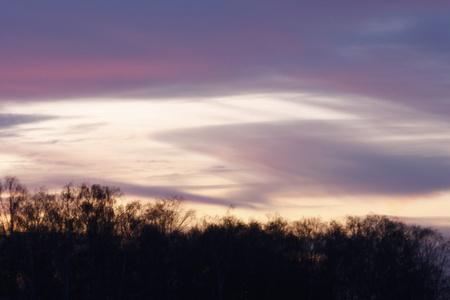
{"points": [[305, 108]]}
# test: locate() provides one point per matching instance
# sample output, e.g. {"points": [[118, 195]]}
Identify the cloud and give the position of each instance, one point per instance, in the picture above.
{"points": [[440, 223], [54, 50], [56, 181], [363, 55], [149, 191], [12, 120], [85, 127], [308, 158]]}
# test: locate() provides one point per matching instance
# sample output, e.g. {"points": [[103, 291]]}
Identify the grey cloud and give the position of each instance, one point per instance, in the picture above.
{"points": [[8, 134], [312, 158], [12, 120], [160, 191], [201, 48], [440, 223], [84, 128], [56, 181]]}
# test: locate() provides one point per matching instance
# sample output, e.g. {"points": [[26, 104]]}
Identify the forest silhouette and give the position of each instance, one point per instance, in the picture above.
{"points": [[83, 243]]}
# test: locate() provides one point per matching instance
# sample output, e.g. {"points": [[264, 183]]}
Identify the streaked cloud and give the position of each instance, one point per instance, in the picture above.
{"points": [[440, 223], [149, 191], [271, 104], [12, 120], [52, 50], [309, 158]]}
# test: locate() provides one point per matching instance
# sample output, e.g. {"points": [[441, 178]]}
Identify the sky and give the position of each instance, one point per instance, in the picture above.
{"points": [[305, 108]]}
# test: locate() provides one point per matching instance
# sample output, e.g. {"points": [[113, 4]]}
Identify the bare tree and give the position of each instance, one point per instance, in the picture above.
{"points": [[11, 202], [168, 215]]}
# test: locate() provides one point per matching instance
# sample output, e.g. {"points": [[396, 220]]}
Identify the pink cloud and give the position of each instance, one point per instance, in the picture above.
{"points": [[93, 70], [223, 48]]}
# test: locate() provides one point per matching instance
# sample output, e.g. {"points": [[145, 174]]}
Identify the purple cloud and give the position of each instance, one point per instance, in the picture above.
{"points": [[319, 159], [149, 191], [12, 120], [440, 223], [57, 180], [393, 51]]}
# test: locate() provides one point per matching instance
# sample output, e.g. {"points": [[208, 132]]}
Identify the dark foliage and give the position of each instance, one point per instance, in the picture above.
{"points": [[81, 244]]}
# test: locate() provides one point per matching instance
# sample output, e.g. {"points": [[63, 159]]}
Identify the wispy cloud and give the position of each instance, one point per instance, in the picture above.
{"points": [[12, 120], [340, 98], [132, 191], [441, 223], [320, 158], [379, 50], [149, 191]]}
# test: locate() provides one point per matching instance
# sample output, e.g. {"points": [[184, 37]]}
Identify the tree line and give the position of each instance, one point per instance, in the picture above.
{"points": [[82, 243]]}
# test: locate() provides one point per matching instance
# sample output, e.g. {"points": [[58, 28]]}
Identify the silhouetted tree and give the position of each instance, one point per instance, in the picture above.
{"points": [[81, 244], [11, 202]]}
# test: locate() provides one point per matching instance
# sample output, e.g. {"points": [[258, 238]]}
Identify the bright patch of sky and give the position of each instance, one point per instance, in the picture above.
{"points": [[118, 142]]}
